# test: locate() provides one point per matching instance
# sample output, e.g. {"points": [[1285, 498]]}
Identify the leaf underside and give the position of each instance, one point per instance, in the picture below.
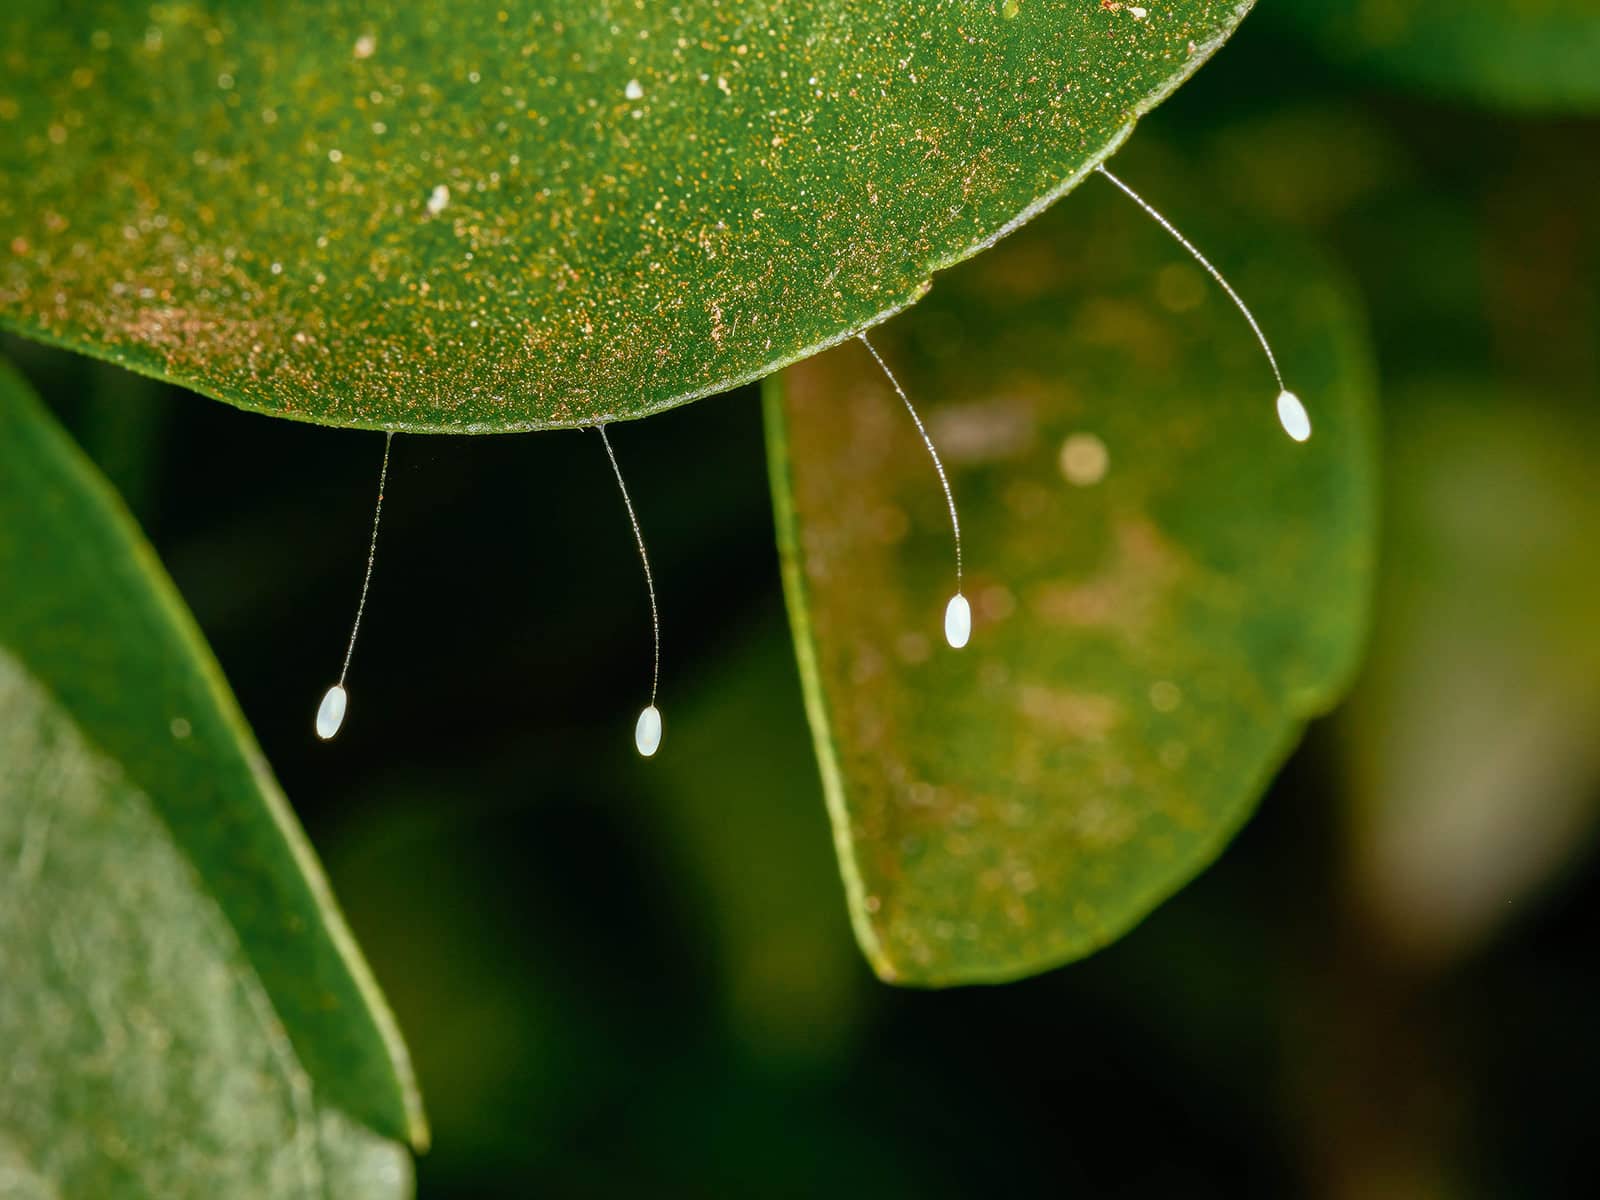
{"points": [[183, 1011], [477, 217], [1164, 586]]}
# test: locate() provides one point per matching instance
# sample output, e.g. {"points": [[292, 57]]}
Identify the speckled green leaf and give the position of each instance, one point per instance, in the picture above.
{"points": [[1164, 586], [182, 1010], [479, 217], [1536, 54]]}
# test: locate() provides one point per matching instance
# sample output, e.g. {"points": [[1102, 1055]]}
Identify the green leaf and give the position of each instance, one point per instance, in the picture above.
{"points": [[183, 1010], [476, 217], [1524, 54], [1148, 639]]}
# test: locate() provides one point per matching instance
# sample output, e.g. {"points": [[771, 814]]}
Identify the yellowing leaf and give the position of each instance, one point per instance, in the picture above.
{"points": [[1164, 587]]}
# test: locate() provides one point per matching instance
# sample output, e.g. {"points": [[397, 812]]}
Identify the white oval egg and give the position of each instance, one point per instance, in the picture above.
{"points": [[1293, 417], [957, 621], [647, 733], [330, 713]]}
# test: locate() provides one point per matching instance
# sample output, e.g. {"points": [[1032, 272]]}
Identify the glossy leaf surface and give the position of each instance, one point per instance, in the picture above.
{"points": [[485, 217], [183, 1010], [1164, 587]]}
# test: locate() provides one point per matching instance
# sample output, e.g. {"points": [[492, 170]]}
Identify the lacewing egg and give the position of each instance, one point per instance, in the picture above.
{"points": [[1293, 417], [957, 621], [1292, 414], [647, 733], [330, 713], [957, 614]]}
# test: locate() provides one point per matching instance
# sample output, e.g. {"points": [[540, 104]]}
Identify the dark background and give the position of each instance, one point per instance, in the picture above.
{"points": [[621, 977]]}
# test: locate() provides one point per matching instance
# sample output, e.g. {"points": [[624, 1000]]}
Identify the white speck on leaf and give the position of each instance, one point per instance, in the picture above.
{"points": [[1084, 460]]}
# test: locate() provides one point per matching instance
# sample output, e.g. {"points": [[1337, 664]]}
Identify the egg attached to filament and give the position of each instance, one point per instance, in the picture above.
{"points": [[330, 713], [1293, 417], [647, 733], [957, 621]]}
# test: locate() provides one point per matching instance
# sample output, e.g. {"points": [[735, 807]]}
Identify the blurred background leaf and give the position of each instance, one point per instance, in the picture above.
{"points": [[1525, 54], [1487, 642], [453, 216], [1165, 586], [183, 1011]]}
